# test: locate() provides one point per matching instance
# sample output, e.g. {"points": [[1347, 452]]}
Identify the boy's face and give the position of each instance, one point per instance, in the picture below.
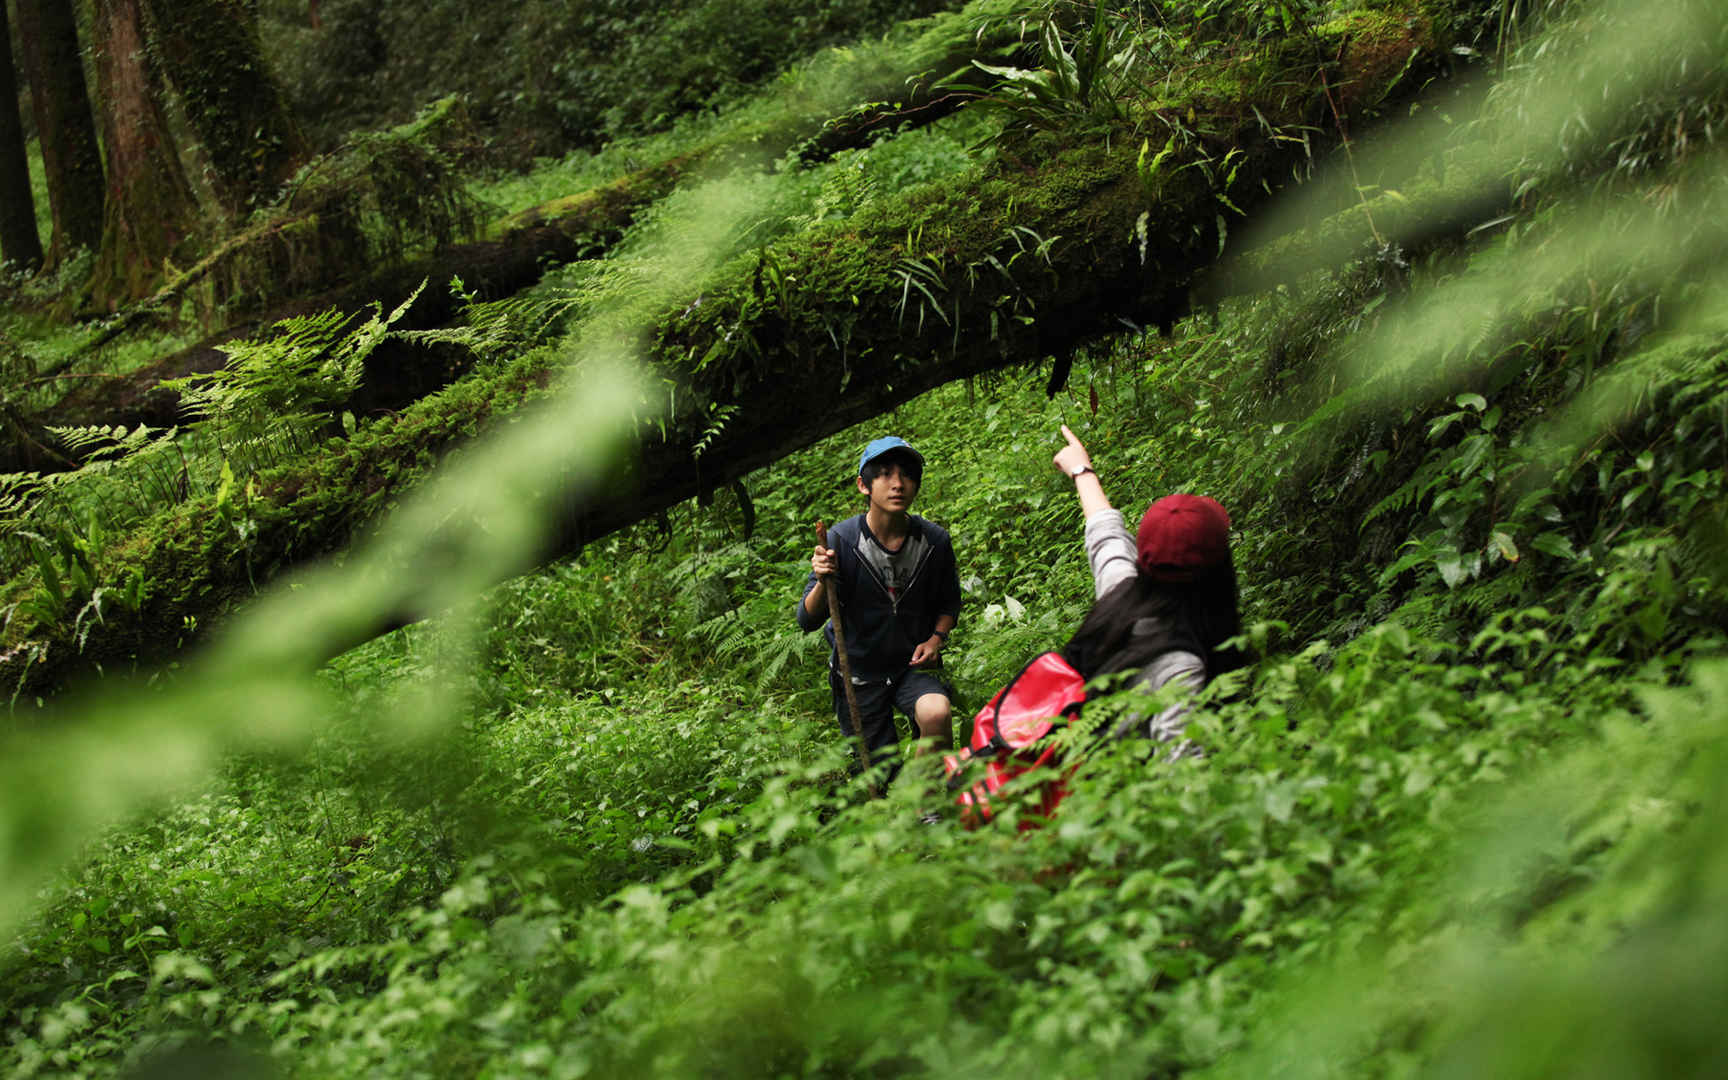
{"points": [[892, 490]]}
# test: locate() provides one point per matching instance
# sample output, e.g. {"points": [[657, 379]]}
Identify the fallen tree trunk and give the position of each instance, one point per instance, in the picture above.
{"points": [[490, 270], [580, 226], [1063, 241]]}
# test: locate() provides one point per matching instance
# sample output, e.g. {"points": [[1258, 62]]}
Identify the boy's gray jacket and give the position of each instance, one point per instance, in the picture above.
{"points": [[883, 625]]}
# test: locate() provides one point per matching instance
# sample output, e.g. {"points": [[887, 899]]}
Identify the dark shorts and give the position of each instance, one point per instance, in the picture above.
{"points": [[877, 700]]}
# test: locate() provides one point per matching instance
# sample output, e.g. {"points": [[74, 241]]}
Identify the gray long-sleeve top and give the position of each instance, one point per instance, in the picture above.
{"points": [[1114, 558]]}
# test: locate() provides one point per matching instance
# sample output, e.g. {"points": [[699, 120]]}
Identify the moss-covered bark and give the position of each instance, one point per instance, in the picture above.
{"points": [[210, 50], [1063, 240], [150, 207]]}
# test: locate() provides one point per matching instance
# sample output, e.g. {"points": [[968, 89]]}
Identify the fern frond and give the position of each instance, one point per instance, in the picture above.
{"points": [[717, 418], [1415, 554], [779, 651], [727, 558], [725, 634], [17, 495], [1419, 484], [84, 440]]}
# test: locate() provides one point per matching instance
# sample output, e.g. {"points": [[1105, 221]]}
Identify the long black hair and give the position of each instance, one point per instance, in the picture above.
{"points": [[1141, 619]]}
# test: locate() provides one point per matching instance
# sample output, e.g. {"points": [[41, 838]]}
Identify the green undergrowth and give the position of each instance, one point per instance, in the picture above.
{"points": [[641, 854], [45, 360], [130, 543]]}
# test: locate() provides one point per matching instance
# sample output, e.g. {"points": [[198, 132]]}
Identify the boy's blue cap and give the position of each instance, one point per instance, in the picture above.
{"points": [[881, 446]]}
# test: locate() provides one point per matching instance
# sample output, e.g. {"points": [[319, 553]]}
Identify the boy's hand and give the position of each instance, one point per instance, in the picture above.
{"points": [[822, 561], [1073, 456], [926, 651]]}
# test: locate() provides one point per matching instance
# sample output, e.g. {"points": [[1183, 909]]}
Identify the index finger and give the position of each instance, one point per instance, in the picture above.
{"points": [[1069, 435]]}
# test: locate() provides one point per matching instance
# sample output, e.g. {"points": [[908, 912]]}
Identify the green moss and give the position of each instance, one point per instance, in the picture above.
{"points": [[188, 554], [1386, 18], [606, 211]]}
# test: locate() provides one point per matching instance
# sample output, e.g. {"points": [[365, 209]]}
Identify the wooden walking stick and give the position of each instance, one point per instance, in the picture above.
{"points": [[833, 593]]}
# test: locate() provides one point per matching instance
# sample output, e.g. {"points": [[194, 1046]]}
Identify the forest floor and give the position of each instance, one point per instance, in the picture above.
{"points": [[603, 823]]}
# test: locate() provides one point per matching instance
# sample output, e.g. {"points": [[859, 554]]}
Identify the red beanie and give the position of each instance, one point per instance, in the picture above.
{"points": [[1183, 535]]}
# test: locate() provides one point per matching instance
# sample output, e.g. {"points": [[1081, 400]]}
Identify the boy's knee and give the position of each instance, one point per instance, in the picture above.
{"points": [[932, 713]]}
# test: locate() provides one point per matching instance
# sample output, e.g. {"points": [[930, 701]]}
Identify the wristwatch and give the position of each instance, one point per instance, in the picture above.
{"points": [[1079, 470], [943, 634]]}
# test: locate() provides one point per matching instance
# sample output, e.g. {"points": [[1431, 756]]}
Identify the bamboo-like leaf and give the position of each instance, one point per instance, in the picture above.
{"points": [[1060, 62]]}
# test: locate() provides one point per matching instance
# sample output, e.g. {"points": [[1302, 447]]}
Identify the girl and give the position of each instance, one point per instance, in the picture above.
{"points": [[1165, 600]]}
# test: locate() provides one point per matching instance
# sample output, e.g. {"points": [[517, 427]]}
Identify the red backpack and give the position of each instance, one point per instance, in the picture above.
{"points": [[1006, 733]]}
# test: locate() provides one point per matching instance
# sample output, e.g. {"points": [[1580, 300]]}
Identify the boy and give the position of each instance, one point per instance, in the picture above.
{"points": [[899, 594]]}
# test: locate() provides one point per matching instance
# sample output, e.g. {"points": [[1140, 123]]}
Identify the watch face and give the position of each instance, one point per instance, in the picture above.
{"points": [[1078, 469]]}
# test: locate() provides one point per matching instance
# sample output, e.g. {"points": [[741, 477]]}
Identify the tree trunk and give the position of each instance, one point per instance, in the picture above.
{"points": [[65, 126], [151, 210], [210, 51], [19, 242]]}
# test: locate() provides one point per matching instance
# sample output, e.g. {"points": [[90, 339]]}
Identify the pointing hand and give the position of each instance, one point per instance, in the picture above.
{"points": [[1073, 456]]}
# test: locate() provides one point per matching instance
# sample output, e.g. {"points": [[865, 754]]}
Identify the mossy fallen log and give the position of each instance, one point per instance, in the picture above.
{"points": [[1062, 240], [583, 225]]}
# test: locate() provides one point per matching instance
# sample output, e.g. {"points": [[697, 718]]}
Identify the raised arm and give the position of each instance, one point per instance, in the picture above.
{"points": [[1109, 547], [1073, 459]]}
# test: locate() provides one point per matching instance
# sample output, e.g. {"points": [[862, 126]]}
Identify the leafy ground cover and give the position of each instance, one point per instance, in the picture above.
{"points": [[640, 852]]}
